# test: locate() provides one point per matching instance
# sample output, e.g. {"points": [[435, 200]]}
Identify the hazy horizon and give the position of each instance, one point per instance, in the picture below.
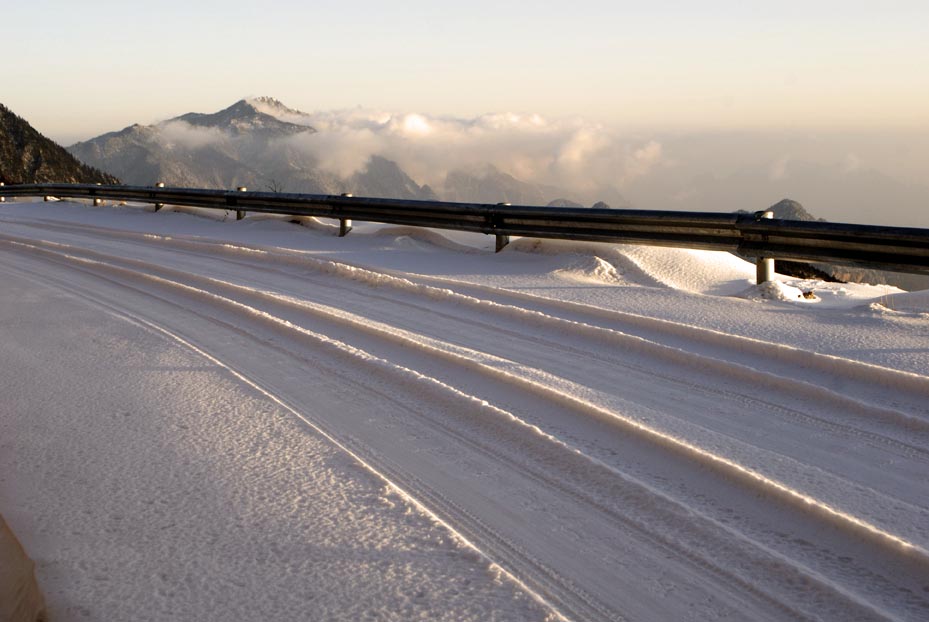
{"points": [[867, 176], [679, 106]]}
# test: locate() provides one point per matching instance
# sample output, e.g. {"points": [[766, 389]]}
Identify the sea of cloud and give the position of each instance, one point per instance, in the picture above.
{"points": [[571, 153], [867, 177], [860, 176]]}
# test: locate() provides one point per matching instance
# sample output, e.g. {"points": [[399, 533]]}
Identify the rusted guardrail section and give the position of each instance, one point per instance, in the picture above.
{"points": [[757, 235]]}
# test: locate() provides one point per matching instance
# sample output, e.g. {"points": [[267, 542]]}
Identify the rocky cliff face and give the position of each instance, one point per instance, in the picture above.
{"points": [[28, 157]]}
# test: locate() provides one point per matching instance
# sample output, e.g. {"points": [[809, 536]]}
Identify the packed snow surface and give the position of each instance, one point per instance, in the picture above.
{"points": [[212, 419]]}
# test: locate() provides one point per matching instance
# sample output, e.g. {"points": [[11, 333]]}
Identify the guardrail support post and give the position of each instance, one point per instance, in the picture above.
{"points": [[345, 224], [159, 184], [502, 240], [98, 202], [2, 199], [764, 266], [240, 213]]}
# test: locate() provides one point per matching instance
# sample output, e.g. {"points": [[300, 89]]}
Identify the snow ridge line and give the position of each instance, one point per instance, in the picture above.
{"points": [[458, 355], [802, 359], [465, 357], [447, 392], [408, 376], [363, 462], [796, 498], [301, 304], [750, 375], [799, 357]]}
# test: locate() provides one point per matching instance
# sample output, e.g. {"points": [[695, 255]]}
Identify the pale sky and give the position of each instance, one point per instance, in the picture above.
{"points": [[77, 69], [712, 105]]}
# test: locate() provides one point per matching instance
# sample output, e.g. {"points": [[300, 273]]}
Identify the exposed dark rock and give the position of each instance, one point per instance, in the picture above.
{"points": [[802, 270], [245, 117], [490, 185], [563, 203], [788, 209], [384, 178], [28, 157]]}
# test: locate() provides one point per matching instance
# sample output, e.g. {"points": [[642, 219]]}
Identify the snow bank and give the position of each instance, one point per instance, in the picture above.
{"points": [[219, 419], [150, 483], [907, 302]]}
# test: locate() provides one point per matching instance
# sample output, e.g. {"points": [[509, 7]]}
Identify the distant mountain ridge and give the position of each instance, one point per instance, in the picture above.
{"points": [[490, 185], [384, 178], [257, 142], [788, 209], [237, 146], [247, 144], [28, 157]]}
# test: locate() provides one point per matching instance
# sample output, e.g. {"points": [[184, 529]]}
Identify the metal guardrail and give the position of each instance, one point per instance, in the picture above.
{"points": [[900, 249]]}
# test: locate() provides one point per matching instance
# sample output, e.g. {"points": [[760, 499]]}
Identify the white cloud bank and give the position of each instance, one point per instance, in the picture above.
{"points": [[575, 154], [862, 177], [176, 132]]}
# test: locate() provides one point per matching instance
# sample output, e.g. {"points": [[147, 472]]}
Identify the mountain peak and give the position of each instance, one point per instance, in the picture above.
{"points": [[788, 209], [268, 105], [277, 109], [265, 100], [247, 116]]}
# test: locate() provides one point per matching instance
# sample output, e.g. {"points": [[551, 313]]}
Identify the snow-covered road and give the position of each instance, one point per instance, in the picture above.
{"points": [[621, 445]]}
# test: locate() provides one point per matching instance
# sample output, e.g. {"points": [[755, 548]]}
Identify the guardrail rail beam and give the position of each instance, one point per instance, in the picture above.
{"points": [[900, 249]]}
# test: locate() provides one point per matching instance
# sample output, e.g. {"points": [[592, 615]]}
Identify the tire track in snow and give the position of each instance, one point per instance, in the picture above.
{"points": [[704, 563], [476, 361], [888, 507], [902, 448], [863, 412], [803, 360], [146, 276], [759, 350]]}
